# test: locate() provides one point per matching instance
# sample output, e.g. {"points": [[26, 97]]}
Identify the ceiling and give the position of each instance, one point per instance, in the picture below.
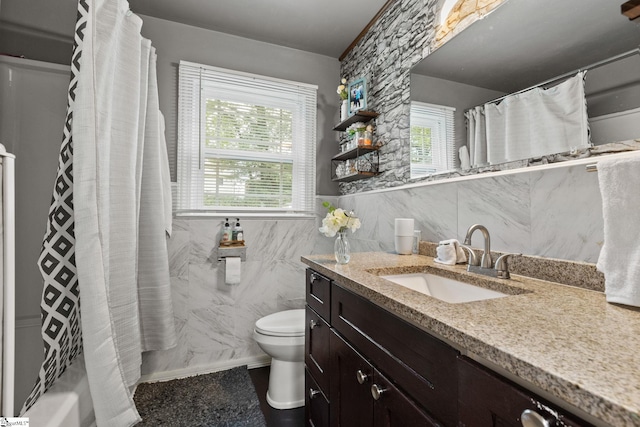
{"points": [[325, 27], [524, 42]]}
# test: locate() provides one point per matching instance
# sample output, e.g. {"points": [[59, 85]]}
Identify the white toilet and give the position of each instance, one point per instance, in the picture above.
{"points": [[281, 336]]}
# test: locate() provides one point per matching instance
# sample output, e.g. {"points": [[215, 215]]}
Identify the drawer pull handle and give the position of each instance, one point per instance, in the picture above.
{"points": [[361, 377], [313, 277], [531, 418], [376, 391], [313, 393], [313, 324]]}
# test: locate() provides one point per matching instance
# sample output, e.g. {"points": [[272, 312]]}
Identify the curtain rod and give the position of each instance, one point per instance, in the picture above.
{"points": [[571, 73]]}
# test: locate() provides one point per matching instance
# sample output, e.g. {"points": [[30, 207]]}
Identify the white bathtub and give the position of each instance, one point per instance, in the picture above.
{"points": [[67, 404]]}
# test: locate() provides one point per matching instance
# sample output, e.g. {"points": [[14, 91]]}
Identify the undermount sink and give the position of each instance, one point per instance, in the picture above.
{"points": [[442, 288]]}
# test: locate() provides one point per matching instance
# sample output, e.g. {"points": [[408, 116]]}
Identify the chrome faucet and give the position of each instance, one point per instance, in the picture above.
{"points": [[486, 256], [486, 267]]}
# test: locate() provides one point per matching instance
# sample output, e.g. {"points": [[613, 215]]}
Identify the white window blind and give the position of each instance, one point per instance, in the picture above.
{"points": [[246, 143], [432, 139]]}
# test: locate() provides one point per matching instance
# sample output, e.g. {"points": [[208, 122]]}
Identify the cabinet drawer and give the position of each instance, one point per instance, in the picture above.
{"points": [[423, 366], [317, 355], [316, 404], [319, 293], [487, 400]]}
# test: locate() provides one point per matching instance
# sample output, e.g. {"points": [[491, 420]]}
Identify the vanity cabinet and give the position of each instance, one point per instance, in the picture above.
{"points": [[363, 396], [489, 400], [422, 368]]}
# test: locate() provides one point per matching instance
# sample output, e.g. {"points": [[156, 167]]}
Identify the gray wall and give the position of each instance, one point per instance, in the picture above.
{"points": [[38, 29], [175, 42]]}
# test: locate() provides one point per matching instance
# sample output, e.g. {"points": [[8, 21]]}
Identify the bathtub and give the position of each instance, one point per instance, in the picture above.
{"points": [[68, 403]]}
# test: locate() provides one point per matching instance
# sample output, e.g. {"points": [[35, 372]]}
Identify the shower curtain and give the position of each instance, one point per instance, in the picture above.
{"points": [[530, 124], [121, 206]]}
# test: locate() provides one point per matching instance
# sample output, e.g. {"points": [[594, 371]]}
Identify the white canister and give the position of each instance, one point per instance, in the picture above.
{"points": [[403, 244], [404, 227]]}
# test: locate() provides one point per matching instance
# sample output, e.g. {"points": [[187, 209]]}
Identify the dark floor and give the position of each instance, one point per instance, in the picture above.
{"points": [[274, 417]]}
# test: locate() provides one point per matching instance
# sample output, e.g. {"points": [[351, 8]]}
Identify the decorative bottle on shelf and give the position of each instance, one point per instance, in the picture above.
{"points": [[341, 248], [344, 110]]}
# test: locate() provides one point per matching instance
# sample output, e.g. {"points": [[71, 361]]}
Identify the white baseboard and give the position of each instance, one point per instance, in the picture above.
{"points": [[223, 365]]}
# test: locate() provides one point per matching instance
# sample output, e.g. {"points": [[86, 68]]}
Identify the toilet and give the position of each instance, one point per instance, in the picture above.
{"points": [[281, 336]]}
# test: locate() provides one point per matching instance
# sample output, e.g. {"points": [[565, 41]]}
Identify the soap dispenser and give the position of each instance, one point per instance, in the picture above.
{"points": [[238, 233], [226, 231]]}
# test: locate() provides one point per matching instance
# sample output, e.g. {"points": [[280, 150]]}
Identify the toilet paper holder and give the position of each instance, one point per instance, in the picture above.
{"points": [[233, 251]]}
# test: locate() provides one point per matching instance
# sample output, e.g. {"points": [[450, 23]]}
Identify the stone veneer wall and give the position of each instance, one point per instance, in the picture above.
{"points": [[394, 44]]}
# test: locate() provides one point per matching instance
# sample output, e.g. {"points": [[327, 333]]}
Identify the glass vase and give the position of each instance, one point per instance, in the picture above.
{"points": [[341, 248]]}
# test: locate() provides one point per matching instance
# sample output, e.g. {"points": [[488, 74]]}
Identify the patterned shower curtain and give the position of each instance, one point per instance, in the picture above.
{"points": [[60, 306], [117, 206]]}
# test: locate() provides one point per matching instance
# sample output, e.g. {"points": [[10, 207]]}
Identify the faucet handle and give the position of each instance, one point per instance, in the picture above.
{"points": [[501, 267], [473, 258]]}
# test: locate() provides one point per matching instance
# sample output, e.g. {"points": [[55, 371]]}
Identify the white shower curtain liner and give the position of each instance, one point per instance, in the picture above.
{"points": [[122, 209], [117, 208]]}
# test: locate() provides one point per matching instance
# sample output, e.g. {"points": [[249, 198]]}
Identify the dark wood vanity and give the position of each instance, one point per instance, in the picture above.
{"points": [[367, 367]]}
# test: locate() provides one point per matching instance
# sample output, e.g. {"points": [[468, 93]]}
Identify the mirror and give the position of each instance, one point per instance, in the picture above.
{"points": [[523, 43]]}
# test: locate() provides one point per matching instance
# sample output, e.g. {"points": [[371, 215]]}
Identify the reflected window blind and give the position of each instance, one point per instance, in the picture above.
{"points": [[245, 142], [432, 138]]}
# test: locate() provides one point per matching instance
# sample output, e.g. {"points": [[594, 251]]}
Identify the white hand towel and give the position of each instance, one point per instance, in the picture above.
{"points": [[619, 181], [461, 256], [446, 254]]}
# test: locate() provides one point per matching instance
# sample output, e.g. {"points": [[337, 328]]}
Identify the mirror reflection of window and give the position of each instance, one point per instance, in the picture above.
{"points": [[432, 139]]}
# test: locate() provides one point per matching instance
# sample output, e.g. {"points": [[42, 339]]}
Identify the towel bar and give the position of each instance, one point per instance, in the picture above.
{"points": [[593, 167]]}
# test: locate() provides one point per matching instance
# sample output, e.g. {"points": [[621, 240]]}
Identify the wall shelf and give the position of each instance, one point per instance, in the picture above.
{"points": [[360, 116], [354, 152], [355, 176], [359, 162]]}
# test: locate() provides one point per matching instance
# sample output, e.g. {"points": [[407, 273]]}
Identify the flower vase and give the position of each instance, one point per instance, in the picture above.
{"points": [[344, 110], [341, 248]]}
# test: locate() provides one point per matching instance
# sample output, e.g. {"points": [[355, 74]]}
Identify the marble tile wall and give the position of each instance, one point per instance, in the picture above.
{"points": [[215, 321], [553, 213]]}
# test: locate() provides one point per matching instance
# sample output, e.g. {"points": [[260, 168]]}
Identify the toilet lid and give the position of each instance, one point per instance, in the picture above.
{"points": [[287, 323]]}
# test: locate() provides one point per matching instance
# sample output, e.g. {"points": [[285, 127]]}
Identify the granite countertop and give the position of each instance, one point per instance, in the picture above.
{"points": [[567, 341]]}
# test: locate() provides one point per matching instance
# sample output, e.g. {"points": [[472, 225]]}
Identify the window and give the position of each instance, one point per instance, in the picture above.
{"points": [[432, 139], [246, 143]]}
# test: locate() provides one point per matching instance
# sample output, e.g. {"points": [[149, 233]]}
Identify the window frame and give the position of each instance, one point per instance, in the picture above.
{"points": [[197, 83], [438, 118]]}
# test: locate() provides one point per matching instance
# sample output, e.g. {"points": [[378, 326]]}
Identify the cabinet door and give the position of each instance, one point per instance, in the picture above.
{"points": [[317, 357], [423, 366], [394, 409], [316, 404], [487, 400], [351, 379]]}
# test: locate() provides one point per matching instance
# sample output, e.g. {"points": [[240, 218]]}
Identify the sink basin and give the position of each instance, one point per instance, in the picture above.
{"points": [[442, 288]]}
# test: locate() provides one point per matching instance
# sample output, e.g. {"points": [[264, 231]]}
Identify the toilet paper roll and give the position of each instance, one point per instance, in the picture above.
{"points": [[232, 270], [404, 227]]}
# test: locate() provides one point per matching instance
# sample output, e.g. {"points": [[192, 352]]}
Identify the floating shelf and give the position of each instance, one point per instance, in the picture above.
{"points": [[354, 152], [355, 176], [360, 116]]}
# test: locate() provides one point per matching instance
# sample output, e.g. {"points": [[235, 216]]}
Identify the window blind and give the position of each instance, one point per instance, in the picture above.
{"points": [[245, 142], [432, 138]]}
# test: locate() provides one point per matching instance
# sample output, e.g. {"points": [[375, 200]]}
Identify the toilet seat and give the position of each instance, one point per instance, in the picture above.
{"points": [[289, 323]]}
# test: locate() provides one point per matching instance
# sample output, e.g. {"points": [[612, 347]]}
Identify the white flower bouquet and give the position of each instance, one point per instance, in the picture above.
{"points": [[342, 89], [338, 220]]}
